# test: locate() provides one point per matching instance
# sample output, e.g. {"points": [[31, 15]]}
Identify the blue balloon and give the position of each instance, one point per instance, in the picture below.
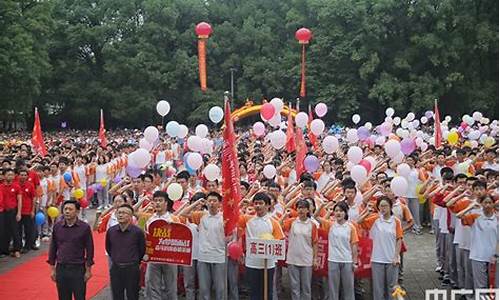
{"points": [[190, 170], [39, 218], [67, 177]]}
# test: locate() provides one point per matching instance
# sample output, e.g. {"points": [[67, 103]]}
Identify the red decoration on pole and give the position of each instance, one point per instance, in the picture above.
{"points": [[438, 134], [303, 35], [37, 137], [203, 31], [102, 132]]}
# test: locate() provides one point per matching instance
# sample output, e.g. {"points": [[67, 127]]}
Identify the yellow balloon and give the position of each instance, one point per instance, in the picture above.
{"points": [[266, 236], [453, 138], [420, 196], [489, 141], [103, 182], [467, 144], [53, 212], [78, 193]]}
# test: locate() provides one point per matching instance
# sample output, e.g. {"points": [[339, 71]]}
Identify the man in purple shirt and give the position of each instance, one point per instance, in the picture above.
{"points": [[71, 253], [126, 245]]}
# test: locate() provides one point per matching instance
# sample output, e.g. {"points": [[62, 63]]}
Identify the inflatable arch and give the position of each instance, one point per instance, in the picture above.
{"points": [[251, 109]]}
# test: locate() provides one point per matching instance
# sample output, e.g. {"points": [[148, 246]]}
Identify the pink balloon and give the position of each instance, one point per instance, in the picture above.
{"points": [[267, 111], [408, 146], [366, 164], [259, 128], [320, 109], [235, 250]]}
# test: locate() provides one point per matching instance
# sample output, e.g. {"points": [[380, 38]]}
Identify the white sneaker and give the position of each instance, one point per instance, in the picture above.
{"points": [[37, 242], [100, 207], [438, 269]]}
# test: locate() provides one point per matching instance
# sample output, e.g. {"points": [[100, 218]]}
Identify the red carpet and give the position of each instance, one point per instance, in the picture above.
{"points": [[31, 280]]}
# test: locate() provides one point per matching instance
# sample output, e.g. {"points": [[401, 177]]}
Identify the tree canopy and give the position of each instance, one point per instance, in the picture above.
{"points": [[72, 57]]}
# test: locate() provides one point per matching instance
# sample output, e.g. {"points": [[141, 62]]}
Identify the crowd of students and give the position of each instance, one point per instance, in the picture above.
{"points": [[452, 192]]}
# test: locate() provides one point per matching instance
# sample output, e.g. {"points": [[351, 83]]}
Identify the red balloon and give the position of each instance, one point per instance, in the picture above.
{"points": [[90, 192], [267, 111], [366, 164], [84, 203], [234, 250], [303, 35], [203, 29]]}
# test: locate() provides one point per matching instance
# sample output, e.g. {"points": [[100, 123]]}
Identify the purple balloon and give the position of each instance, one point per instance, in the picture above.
{"points": [[408, 146], [363, 133], [133, 172], [117, 179], [428, 114], [97, 187], [311, 163]]}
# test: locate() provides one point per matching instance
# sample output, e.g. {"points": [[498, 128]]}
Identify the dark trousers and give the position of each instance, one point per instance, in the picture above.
{"points": [[70, 281], [4, 247], [256, 283], [125, 279], [11, 231], [27, 228]]}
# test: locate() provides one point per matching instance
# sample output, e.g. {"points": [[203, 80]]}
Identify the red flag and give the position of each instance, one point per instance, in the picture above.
{"points": [[102, 132], [37, 137], [290, 135], [437, 126], [300, 154], [230, 175]]}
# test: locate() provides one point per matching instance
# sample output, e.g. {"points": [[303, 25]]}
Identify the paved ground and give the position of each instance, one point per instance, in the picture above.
{"points": [[419, 264]]}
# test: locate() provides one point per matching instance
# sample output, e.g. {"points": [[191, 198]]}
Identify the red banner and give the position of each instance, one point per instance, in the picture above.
{"points": [[37, 137], [102, 132], [169, 243], [202, 63], [230, 175]]}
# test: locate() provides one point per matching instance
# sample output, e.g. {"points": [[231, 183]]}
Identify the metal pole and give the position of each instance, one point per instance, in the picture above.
{"points": [[232, 82]]}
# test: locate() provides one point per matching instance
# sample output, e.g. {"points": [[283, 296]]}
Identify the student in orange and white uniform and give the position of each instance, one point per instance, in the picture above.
{"points": [[302, 249], [212, 246], [260, 226], [387, 234], [161, 279], [484, 239], [342, 253], [102, 178]]}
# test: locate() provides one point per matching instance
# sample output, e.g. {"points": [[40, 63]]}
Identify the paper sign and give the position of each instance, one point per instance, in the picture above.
{"points": [[270, 249]]}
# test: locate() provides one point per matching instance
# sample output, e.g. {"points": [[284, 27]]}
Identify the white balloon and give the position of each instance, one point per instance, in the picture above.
{"points": [[317, 127], [389, 112], [211, 172], [424, 120], [163, 108], [447, 118], [278, 105], [392, 148], [399, 132], [397, 121], [216, 114], [404, 123], [410, 117], [405, 134], [206, 146], [201, 130], [278, 139], [151, 134], [399, 186], [275, 121], [172, 128], [356, 118], [183, 131], [359, 174], [477, 116], [389, 120], [403, 170], [415, 123], [399, 158], [330, 144], [474, 134], [144, 144], [380, 140], [424, 146], [269, 171], [194, 143], [368, 125], [194, 160], [419, 141], [355, 154], [470, 121], [174, 191], [141, 158], [301, 119], [483, 138], [352, 135], [484, 120]]}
